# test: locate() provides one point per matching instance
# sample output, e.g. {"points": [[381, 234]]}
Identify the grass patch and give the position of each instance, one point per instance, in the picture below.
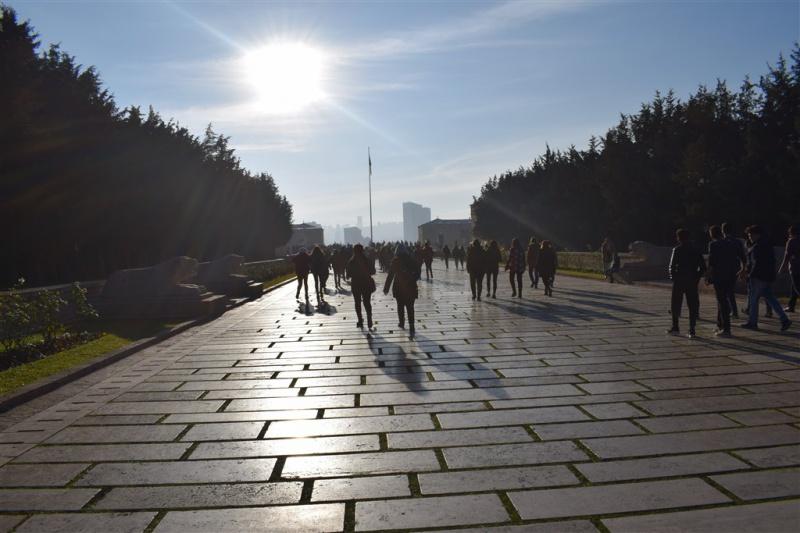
{"points": [[581, 274], [114, 335], [279, 279]]}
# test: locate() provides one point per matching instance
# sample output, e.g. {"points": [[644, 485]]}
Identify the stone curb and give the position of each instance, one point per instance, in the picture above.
{"points": [[51, 383]]}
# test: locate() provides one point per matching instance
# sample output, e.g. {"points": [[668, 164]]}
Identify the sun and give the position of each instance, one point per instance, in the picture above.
{"points": [[286, 76]]}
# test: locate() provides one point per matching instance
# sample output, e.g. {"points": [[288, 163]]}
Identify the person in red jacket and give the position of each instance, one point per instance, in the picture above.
{"points": [[302, 266]]}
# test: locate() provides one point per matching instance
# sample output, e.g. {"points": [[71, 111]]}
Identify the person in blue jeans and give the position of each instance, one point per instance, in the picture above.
{"points": [[761, 275]]}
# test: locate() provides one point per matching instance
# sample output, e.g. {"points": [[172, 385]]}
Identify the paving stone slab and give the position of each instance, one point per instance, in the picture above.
{"points": [[508, 417], [278, 447], [159, 473], [762, 417], [763, 484], [95, 435], [677, 465], [317, 517], [719, 439], [430, 512], [53, 475], [45, 499], [224, 431], [8, 521], [215, 495], [146, 408], [360, 488], [360, 464], [496, 479], [668, 424], [513, 454], [774, 517], [87, 523], [772, 457], [577, 430], [608, 499], [344, 426], [457, 437], [103, 452], [561, 526]]}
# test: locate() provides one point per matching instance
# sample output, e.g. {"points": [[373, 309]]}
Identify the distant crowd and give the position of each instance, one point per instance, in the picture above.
{"points": [[729, 259]]}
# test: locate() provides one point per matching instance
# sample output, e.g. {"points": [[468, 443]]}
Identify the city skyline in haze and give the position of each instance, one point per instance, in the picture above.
{"points": [[446, 94]]}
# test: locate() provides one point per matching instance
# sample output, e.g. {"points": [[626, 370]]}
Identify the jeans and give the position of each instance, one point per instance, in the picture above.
{"points": [[795, 289], [516, 281], [365, 298], [534, 275], [763, 289], [722, 290], [491, 276], [476, 284], [689, 289]]}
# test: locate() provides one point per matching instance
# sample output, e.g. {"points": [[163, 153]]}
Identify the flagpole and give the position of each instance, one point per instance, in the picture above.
{"points": [[369, 158]]}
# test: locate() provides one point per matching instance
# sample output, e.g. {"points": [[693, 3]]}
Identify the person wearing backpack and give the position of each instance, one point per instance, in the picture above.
{"points": [[404, 272]]}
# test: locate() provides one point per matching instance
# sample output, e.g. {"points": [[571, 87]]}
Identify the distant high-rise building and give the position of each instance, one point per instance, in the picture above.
{"points": [[360, 222], [414, 215], [352, 235]]}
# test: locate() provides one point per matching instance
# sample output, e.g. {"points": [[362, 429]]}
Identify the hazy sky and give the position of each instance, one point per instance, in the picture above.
{"points": [[445, 93]]}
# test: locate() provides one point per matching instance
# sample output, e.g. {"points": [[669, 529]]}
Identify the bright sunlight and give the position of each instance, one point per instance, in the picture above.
{"points": [[286, 76]]}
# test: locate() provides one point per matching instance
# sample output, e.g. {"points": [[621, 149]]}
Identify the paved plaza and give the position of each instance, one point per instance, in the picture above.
{"points": [[567, 414]]}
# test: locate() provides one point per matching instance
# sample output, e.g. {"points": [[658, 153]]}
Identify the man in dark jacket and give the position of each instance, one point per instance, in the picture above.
{"points": [[791, 262], [476, 266], [761, 275], [723, 266], [741, 254], [686, 267]]}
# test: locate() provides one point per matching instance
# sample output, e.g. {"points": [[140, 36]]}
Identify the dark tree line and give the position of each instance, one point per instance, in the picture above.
{"points": [[720, 156], [86, 188]]}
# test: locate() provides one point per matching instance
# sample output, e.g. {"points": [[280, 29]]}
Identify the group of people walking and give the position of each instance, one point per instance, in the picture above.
{"points": [[729, 260], [540, 262]]}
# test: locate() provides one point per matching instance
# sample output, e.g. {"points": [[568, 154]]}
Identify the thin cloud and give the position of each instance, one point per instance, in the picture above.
{"points": [[461, 32]]}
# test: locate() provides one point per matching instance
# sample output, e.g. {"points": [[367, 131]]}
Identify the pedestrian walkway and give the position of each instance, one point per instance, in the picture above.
{"points": [[574, 413]]}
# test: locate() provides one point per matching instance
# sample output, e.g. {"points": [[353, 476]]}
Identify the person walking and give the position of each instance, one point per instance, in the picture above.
{"points": [[723, 266], [515, 267], [404, 272], [741, 254], [476, 265], [427, 258], [493, 258], [340, 267], [610, 258], [531, 257], [446, 256], [686, 267], [547, 264], [748, 243], [319, 269], [761, 275], [302, 266], [791, 262], [458, 256], [361, 270]]}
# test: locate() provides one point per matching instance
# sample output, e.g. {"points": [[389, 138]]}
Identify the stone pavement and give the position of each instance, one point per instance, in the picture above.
{"points": [[574, 413]]}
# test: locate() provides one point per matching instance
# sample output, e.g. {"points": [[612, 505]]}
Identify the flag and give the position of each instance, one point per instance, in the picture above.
{"points": [[369, 159]]}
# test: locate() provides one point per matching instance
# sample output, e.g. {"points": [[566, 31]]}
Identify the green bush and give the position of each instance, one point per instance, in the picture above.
{"points": [[16, 320]]}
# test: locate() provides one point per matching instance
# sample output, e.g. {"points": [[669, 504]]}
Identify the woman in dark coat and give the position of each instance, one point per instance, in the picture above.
{"points": [[493, 258], [361, 270], [319, 268], [302, 265], [547, 265], [516, 267], [476, 266], [404, 272], [531, 258]]}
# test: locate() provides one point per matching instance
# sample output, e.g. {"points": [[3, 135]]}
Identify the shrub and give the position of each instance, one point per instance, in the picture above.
{"points": [[16, 318]]}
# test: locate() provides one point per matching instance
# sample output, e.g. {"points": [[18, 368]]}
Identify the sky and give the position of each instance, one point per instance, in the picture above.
{"points": [[446, 94]]}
